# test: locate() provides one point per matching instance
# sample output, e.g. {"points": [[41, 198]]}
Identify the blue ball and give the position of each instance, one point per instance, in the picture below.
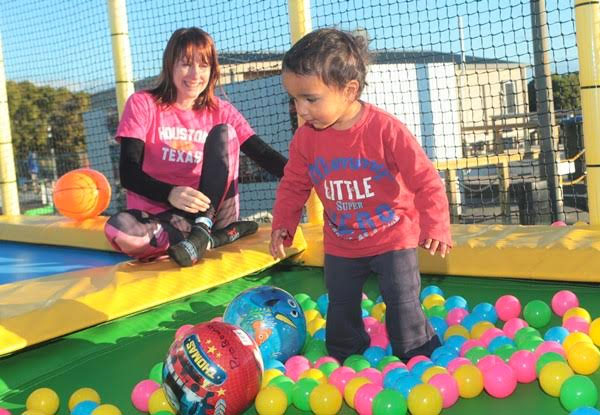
{"points": [[374, 354], [272, 317], [84, 408], [455, 343], [444, 359], [456, 301], [421, 367], [486, 311], [379, 299], [499, 341], [585, 410], [430, 289], [275, 364], [439, 325], [322, 303], [365, 312], [388, 350], [470, 320], [442, 350], [392, 377], [556, 334], [320, 334], [406, 383]]}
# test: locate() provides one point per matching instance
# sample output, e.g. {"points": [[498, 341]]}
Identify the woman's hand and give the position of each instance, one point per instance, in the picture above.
{"points": [[188, 199], [433, 246], [276, 246]]}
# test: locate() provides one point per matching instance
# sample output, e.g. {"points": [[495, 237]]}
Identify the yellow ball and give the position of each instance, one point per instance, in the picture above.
{"points": [[479, 328], [311, 314], [325, 399], [577, 311], [594, 331], [44, 400], [431, 372], [378, 311], [351, 387], [315, 324], [433, 300], [573, 338], [269, 375], [457, 330], [424, 399], [583, 358], [469, 380], [552, 376], [315, 374], [107, 409], [158, 402], [83, 394], [271, 401], [34, 412]]}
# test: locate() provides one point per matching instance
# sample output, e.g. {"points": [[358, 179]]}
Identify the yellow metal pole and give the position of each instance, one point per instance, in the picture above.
{"points": [[8, 177], [117, 12], [587, 20], [300, 24]]}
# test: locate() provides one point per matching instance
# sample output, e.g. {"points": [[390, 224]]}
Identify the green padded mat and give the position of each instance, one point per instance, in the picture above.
{"points": [[114, 356]]}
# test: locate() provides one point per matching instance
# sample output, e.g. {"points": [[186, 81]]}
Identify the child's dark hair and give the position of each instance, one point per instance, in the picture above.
{"points": [[335, 56]]}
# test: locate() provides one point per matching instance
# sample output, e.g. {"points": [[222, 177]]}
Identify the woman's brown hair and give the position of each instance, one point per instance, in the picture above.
{"points": [[187, 43]]}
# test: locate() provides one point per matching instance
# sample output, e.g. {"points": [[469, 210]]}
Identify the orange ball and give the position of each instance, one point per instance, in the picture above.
{"points": [[81, 194]]}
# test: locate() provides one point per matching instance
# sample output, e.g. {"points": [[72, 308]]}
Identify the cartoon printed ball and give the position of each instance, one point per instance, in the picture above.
{"points": [[215, 368], [273, 318], [81, 194]]}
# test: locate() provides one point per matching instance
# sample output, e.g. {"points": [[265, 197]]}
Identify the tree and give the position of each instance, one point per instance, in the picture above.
{"points": [[565, 92]]}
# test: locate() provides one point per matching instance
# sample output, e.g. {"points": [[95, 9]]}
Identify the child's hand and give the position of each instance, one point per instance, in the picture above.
{"points": [[433, 246], [277, 238], [188, 199]]}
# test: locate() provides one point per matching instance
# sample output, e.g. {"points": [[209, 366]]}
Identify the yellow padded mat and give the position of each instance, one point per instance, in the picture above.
{"points": [[35, 310]]}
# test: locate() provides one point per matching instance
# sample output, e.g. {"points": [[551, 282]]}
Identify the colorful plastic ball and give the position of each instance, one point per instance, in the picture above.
{"points": [[214, 362], [311, 314], [455, 301], [457, 330], [416, 359], [469, 380], [499, 380], [585, 410], [513, 325], [455, 343], [523, 362], [507, 307], [44, 400], [490, 334], [470, 344], [268, 375], [271, 401], [372, 374], [386, 363], [183, 330], [594, 331], [4, 411], [391, 378], [498, 342], [578, 391], [584, 358], [546, 358], [552, 377], [33, 412], [275, 364], [420, 368], [328, 368], [457, 362], [107, 409], [156, 372], [557, 334], [341, 376], [84, 408], [456, 316], [272, 317], [363, 400], [325, 399], [295, 366], [140, 395], [537, 313], [374, 354], [378, 311], [525, 333], [576, 311], [424, 399], [301, 393], [439, 326], [575, 337], [430, 289], [389, 402], [352, 387], [81, 194], [486, 362], [558, 224], [441, 351], [547, 346], [160, 402], [475, 354], [315, 374], [505, 352], [486, 311], [480, 328], [576, 323], [322, 303], [448, 388], [285, 384], [562, 301], [433, 300], [83, 394], [358, 364], [432, 371], [407, 383], [301, 297]]}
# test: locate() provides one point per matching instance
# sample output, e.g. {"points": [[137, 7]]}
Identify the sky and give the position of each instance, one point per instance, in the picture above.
{"points": [[67, 42]]}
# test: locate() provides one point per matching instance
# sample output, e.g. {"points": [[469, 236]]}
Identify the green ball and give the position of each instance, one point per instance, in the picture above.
{"points": [[578, 391], [156, 372], [358, 364], [505, 351], [546, 358], [308, 304], [524, 333], [386, 360], [437, 311], [328, 367], [476, 353], [285, 384], [301, 297], [301, 393], [367, 304], [537, 313], [531, 343], [389, 402], [352, 358]]}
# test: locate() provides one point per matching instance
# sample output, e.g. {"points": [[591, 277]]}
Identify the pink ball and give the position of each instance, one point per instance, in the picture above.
{"points": [[457, 362], [217, 318], [490, 334], [456, 316], [577, 323], [507, 307], [4, 411], [363, 399], [370, 323], [549, 346], [295, 366], [341, 376], [558, 224], [447, 386], [487, 362], [183, 330], [141, 394], [500, 381], [468, 345], [391, 366], [365, 296], [523, 363], [325, 359], [416, 359], [513, 325], [372, 374], [380, 340], [563, 300]]}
